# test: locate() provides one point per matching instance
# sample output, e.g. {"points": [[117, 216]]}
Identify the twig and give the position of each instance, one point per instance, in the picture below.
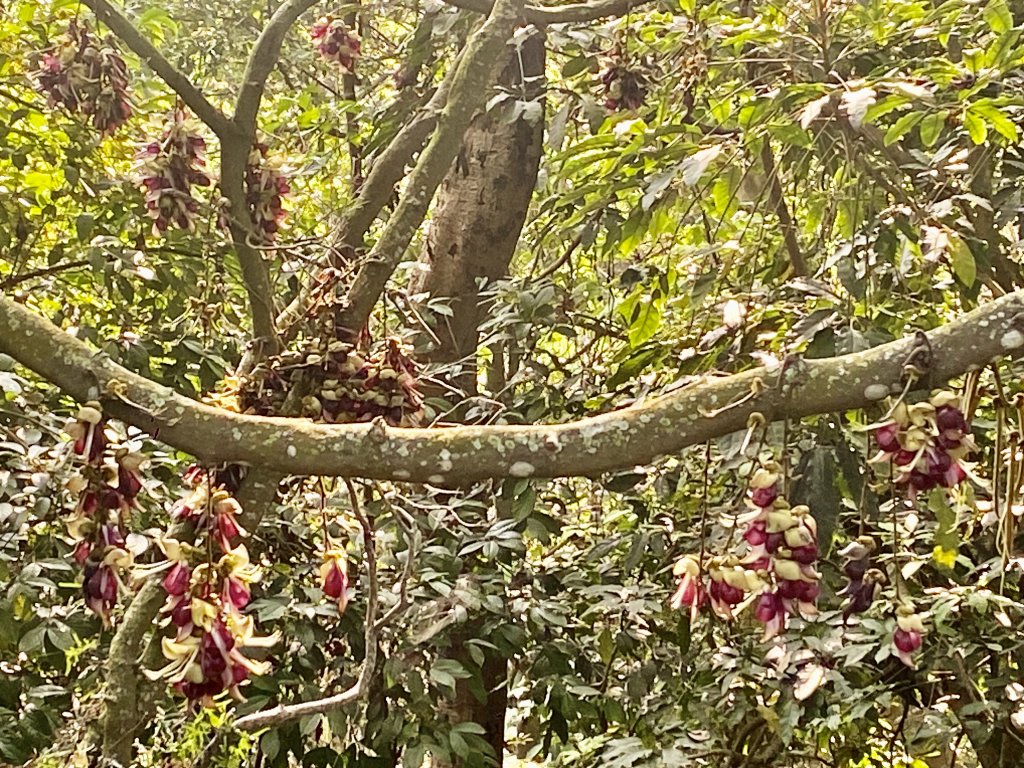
{"points": [[565, 14], [413, 541], [282, 714], [14, 280]]}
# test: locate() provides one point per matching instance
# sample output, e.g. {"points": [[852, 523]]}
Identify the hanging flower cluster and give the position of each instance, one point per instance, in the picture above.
{"points": [[106, 487], [783, 543], [82, 73], [265, 188], [336, 42], [778, 567], [907, 637], [168, 169], [342, 385], [625, 88], [208, 587], [926, 442], [864, 582]]}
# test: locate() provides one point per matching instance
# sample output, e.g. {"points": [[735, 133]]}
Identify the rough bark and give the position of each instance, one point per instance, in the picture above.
{"points": [[467, 93], [481, 209], [564, 14]]}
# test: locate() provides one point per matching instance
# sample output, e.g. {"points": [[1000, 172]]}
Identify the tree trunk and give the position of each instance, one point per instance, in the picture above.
{"points": [[481, 209]]}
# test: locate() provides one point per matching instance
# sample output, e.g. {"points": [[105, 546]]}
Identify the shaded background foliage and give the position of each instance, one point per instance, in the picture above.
{"points": [[831, 174]]}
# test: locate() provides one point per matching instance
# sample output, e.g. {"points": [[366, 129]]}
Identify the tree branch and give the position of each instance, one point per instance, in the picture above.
{"points": [[234, 160], [262, 61], [178, 82], [467, 91], [385, 172], [777, 202], [121, 715], [282, 714], [709, 408], [563, 14]]}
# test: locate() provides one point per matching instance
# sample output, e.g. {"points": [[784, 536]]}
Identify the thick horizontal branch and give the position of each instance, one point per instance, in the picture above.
{"points": [[562, 14], [709, 408], [178, 82]]}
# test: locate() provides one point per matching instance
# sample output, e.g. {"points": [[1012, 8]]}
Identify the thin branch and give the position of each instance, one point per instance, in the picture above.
{"points": [[777, 201], [563, 14], [282, 714], [389, 168], [177, 81], [636, 435], [67, 266], [234, 160], [468, 90], [413, 540]]}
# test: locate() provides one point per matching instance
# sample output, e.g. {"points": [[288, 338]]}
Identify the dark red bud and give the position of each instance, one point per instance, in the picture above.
{"points": [[887, 438], [768, 606], [908, 642], [765, 497]]}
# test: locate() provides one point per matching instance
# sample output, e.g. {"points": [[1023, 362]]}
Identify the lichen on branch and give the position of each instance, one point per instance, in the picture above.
{"points": [[708, 408]]}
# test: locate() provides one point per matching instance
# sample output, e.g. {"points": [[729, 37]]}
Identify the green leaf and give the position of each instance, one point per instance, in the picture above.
{"points": [[931, 127], [996, 119], [997, 15], [902, 127], [442, 678], [605, 646], [458, 744], [469, 727], [947, 539], [642, 311], [83, 227], [32, 640], [577, 65], [976, 127], [962, 260]]}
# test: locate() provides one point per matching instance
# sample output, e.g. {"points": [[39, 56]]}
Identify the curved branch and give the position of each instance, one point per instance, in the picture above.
{"points": [[563, 14], [234, 158], [467, 92], [178, 82], [708, 408], [282, 714]]}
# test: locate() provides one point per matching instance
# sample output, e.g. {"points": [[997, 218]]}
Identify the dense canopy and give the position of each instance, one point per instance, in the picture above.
{"points": [[472, 383]]}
